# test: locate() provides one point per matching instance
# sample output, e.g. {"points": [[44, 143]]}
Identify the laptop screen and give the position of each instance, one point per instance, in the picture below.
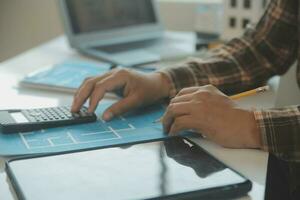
{"points": [[98, 15]]}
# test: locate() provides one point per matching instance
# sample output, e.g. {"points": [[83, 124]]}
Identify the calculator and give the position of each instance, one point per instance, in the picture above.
{"points": [[15, 121]]}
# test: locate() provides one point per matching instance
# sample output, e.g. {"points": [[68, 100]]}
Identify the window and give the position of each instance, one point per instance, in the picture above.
{"points": [[232, 22], [233, 3], [245, 22], [247, 4]]}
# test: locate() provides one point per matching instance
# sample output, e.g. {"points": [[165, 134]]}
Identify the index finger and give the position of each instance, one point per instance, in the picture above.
{"points": [[85, 91], [173, 111], [106, 85]]}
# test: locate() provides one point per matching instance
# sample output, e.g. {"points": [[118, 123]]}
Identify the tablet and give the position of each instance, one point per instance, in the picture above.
{"points": [[174, 168]]}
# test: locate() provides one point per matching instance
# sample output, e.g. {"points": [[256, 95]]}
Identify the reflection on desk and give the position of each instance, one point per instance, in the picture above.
{"points": [[193, 157]]}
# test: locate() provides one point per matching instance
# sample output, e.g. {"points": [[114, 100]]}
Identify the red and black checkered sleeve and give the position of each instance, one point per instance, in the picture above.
{"points": [[247, 62], [280, 130]]}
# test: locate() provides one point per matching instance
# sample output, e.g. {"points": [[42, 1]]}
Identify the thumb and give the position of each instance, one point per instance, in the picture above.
{"points": [[122, 106]]}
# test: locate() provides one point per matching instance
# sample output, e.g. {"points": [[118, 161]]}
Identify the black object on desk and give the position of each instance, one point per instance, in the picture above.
{"points": [[173, 168], [283, 179], [14, 121]]}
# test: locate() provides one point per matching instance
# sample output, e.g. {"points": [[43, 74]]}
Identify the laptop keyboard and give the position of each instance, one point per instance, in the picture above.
{"points": [[126, 46]]}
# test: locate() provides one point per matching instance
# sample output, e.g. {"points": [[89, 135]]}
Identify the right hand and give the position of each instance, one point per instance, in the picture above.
{"points": [[138, 89]]}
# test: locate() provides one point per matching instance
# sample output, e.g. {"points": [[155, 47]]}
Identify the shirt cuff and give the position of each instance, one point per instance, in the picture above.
{"points": [[188, 74], [259, 118], [166, 74], [279, 130]]}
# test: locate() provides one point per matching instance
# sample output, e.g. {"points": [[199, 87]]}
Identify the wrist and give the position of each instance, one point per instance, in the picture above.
{"points": [[164, 84]]}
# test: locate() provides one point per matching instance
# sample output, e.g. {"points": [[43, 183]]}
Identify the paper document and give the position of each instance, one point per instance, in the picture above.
{"points": [[132, 127], [66, 76]]}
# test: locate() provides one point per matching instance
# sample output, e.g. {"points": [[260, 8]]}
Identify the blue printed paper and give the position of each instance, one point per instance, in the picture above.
{"points": [[133, 127], [68, 74]]}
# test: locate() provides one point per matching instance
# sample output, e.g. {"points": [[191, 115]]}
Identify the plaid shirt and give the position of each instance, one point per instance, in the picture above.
{"points": [[248, 62]]}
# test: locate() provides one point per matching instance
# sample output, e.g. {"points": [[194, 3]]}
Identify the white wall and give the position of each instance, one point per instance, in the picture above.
{"points": [[178, 15], [186, 15], [25, 24]]}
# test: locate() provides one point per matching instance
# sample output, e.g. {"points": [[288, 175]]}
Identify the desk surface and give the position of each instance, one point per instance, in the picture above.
{"points": [[251, 163]]}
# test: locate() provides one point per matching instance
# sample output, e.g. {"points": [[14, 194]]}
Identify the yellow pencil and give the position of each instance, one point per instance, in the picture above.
{"points": [[238, 96], [250, 92]]}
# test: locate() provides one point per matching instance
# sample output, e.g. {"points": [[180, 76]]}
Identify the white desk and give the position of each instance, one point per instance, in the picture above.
{"points": [[251, 163]]}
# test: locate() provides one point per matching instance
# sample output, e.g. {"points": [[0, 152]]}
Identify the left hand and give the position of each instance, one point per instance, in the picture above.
{"points": [[208, 111]]}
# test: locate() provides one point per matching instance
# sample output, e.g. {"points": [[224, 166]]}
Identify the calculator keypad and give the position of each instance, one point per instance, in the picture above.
{"points": [[53, 114]]}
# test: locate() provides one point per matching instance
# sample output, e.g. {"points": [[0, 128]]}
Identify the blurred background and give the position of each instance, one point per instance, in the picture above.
{"points": [[26, 24]]}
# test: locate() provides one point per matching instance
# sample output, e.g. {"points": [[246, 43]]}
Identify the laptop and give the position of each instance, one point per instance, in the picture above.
{"points": [[123, 32]]}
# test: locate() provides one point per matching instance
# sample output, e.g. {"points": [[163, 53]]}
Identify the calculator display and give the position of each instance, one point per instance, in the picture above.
{"points": [[19, 117]]}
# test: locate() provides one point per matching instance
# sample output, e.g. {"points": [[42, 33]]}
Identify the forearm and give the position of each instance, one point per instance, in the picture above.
{"points": [[225, 74], [280, 131]]}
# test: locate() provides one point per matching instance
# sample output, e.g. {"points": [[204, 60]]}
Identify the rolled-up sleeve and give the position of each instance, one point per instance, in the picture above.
{"points": [[243, 63], [280, 131]]}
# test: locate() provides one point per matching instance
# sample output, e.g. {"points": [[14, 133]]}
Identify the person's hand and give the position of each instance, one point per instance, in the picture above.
{"points": [[208, 111], [138, 89]]}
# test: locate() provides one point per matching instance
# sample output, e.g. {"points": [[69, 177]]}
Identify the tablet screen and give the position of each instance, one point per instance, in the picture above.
{"points": [[142, 171]]}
